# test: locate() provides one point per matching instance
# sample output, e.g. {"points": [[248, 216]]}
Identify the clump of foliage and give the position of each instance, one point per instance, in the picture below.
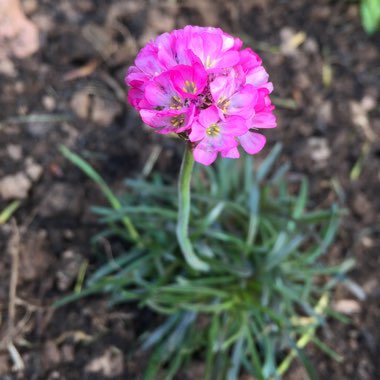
{"points": [[266, 291]]}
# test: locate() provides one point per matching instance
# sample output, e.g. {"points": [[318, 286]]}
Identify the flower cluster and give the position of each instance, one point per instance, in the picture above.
{"points": [[197, 82]]}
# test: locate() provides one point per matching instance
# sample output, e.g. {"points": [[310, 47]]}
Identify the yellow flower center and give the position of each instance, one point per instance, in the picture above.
{"points": [[224, 103], [189, 87], [176, 103], [178, 121], [210, 63], [213, 130]]}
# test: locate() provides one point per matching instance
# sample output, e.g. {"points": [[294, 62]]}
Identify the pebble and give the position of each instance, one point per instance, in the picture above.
{"points": [[319, 149], [33, 170], [15, 186], [80, 103], [7, 68], [14, 151], [347, 307], [69, 267], [49, 103], [110, 364], [88, 104]]}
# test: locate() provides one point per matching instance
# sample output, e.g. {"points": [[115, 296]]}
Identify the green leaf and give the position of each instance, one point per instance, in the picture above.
{"points": [[112, 266], [255, 359], [254, 203], [237, 354], [7, 213], [305, 361], [104, 188], [301, 199], [326, 349], [282, 248], [370, 12], [159, 333], [268, 163]]}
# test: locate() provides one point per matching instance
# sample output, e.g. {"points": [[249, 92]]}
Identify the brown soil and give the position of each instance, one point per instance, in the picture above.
{"points": [[326, 73]]}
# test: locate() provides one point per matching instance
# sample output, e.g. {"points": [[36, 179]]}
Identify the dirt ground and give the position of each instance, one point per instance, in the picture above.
{"points": [[326, 73]]}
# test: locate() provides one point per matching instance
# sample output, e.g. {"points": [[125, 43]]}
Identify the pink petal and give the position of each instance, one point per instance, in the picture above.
{"points": [[134, 97], [160, 91], [147, 60], [222, 142], [222, 86], [206, 46], [258, 77], [264, 120], [189, 80], [234, 126], [198, 132], [227, 59], [249, 59], [231, 153], [164, 121], [209, 116], [136, 78], [204, 153], [252, 142], [243, 102]]}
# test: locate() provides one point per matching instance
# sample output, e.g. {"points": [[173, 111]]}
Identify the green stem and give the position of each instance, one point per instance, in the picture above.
{"points": [[184, 212]]}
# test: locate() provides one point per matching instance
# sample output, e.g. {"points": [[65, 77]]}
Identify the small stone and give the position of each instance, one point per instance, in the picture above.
{"points": [[80, 103], [69, 268], [51, 354], [68, 353], [68, 234], [368, 103], [347, 307], [18, 36], [367, 241], [311, 45], [33, 170], [110, 364], [88, 104], [19, 87], [55, 375], [14, 151], [35, 258], [319, 149], [7, 68], [15, 186], [49, 103]]}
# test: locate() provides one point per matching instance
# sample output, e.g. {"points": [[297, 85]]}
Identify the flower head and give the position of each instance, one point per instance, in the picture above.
{"points": [[198, 82]]}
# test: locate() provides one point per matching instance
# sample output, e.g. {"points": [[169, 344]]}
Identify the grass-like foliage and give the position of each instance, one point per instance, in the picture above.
{"points": [[266, 291], [370, 14]]}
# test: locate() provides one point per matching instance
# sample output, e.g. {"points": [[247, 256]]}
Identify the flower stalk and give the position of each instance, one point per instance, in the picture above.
{"points": [[184, 201]]}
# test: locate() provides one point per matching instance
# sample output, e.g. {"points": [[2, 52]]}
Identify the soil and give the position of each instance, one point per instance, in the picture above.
{"points": [[326, 73]]}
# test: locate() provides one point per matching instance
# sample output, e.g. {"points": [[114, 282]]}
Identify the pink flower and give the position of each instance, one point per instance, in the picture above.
{"points": [[198, 82], [190, 81], [215, 134], [173, 121], [232, 96]]}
